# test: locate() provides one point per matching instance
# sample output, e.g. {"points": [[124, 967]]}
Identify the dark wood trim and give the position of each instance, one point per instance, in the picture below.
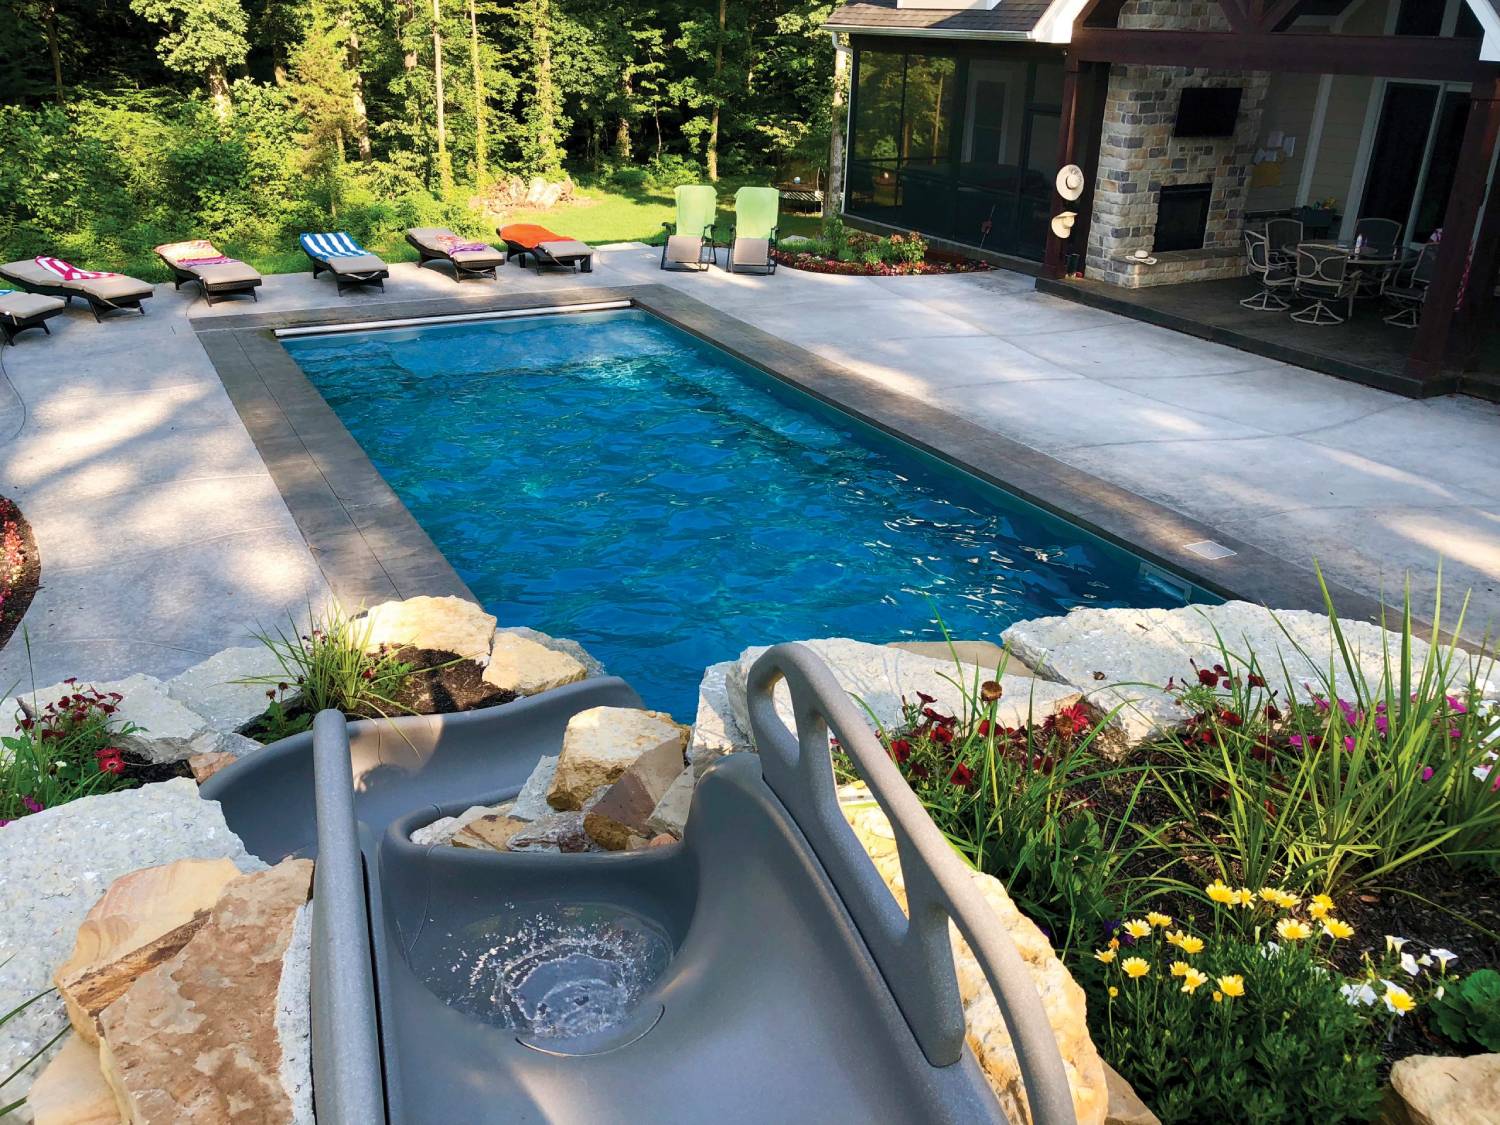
{"points": [[1067, 146], [1430, 351], [1477, 313], [1099, 13], [1384, 56]]}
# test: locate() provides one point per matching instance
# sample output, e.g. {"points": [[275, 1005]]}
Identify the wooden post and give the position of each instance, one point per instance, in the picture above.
{"points": [[1430, 351], [1067, 147]]}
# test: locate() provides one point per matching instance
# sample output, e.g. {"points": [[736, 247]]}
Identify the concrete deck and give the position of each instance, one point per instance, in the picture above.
{"points": [[164, 539]]}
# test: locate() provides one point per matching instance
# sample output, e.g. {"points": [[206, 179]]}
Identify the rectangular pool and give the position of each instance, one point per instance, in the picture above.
{"points": [[608, 477]]}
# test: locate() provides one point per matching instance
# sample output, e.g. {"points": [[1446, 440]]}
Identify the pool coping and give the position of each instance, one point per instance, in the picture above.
{"points": [[371, 549]]}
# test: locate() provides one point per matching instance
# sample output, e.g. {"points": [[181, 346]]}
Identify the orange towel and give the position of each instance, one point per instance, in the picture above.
{"points": [[528, 235]]}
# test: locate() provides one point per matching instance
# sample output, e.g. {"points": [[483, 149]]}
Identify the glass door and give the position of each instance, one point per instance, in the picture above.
{"points": [[1414, 156]]}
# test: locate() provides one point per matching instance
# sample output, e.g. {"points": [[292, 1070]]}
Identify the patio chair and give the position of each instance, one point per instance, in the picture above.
{"points": [[1274, 276], [1282, 238], [1407, 288], [547, 250], [103, 290], [217, 276], [468, 257], [692, 235], [20, 311], [1323, 276], [1380, 237], [349, 262], [753, 236]]}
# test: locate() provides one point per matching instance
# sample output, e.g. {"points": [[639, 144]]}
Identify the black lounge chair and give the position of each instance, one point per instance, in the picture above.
{"points": [[217, 275], [349, 262], [20, 311], [468, 257], [104, 291]]}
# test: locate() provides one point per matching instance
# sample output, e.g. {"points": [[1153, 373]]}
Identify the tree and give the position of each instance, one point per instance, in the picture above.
{"points": [[204, 37], [541, 147], [445, 166], [360, 114], [324, 96], [45, 13], [481, 171]]}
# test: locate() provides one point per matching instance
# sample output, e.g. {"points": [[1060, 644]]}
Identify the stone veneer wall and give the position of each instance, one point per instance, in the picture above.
{"points": [[1138, 155]]}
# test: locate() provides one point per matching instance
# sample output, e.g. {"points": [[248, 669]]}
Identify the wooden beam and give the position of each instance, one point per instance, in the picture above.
{"points": [[1430, 351], [1100, 13], [1067, 144], [1372, 55]]}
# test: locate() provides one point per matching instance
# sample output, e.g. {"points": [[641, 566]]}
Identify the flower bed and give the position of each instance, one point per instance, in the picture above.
{"points": [[814, 262], [20, 568], [839, 250]]}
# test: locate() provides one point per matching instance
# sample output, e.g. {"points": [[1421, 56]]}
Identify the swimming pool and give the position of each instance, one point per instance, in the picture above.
{"points": [[609, 477]]}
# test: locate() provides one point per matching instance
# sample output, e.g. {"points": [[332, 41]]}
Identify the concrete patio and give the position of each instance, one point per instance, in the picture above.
{"points": [[164, 539]]}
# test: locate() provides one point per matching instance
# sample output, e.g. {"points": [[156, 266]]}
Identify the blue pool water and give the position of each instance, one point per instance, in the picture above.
{"points": [[607, 477]]}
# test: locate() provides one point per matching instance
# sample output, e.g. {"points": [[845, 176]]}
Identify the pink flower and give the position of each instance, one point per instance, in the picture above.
{"points": [[1456, 706], [31, 805], [1349, 742], [1427, 772]]}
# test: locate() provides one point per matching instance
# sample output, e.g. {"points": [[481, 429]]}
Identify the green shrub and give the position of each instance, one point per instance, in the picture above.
{"points": [[1468, 1011]]}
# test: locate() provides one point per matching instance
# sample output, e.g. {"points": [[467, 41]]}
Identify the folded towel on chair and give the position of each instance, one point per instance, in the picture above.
{"points": [[195, 252], [68, 272], [338, 244]]}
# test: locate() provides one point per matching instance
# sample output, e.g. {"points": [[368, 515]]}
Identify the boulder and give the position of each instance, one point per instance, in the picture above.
{"points": [[527, 667], [981, 654], [622, 813], [601, 743], [670, 815], [442, 830], [491, 832], [210, 689], [56, 866], [167, 728], [1447, 1091], [557, 832], [879, 677], [1125, 1106], [204, 766], [531, 801], [1124, 657], [716, 732], [564, 645], [142, 920], [447, 624], [1061, 997], [71, 1090], [197, 1039]]}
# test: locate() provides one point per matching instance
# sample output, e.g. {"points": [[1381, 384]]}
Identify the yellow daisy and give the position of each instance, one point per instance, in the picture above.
{"points": [[1138, 928], [1135, 967], [1221, 893], [1158, 919], [1245, 896], [1336, 929], [1192, 979], [1319, 905], [1113, 992], [1189, 944], [1292, 930], [1181, 968], [1104, 955], [1398, 1000], [1218, 996], [1233, 985]]}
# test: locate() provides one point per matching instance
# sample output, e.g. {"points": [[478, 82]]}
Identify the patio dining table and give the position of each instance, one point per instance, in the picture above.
{"points": [[1366, 265]]}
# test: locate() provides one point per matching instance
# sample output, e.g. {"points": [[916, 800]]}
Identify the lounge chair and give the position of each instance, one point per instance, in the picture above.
{"points": [[693, 233], [349, 262], [545, 248], [53, 277], [20, 311], [468, 257], [217, 275], [753, 237]]}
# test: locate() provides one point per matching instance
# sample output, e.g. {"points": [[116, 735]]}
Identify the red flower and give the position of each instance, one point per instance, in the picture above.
{"points": [[919, 771], [984, 728], [942, 735], [1256, 680], [112, 765], [1272, 714], [1208, 678], [961, 776], [925, 698], [900, 750], [1230, 718]]}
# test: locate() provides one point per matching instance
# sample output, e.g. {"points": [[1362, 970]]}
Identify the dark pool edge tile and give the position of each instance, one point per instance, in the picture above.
{"points": [[274, 399]]}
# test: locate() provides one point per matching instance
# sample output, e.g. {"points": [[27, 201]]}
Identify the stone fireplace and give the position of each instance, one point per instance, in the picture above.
{"points": [[1154, 189]]}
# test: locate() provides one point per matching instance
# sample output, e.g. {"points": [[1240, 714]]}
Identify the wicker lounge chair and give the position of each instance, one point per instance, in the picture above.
{"points": [[756, 210], [349, 262], [468, 257], [692, 235], [217, 275], [20, 311], [53, 277], [547, 250]]}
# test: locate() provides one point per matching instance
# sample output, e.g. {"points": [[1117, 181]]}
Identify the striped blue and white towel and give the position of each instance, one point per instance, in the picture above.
{"points": [[335, 245]]}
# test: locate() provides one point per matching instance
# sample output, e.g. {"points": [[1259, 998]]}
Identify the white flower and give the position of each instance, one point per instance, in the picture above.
{"points": [[1425, 960], [1481, 772], [1269, 950], [1444, 956], [1440, 990], [1394, 944], [1356, 993], [1409, 965]]}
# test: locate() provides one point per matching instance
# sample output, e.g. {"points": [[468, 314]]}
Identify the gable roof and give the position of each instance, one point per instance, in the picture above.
{"points": [[1010, 19]]}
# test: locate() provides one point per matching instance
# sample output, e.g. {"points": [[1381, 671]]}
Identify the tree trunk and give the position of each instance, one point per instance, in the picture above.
{"points": [[218, 88], [445, 169], [357, 91], [712, 156], [831, 197], [49, 20], [481, 147], [622, 126], [409, 54], [545, 122]]}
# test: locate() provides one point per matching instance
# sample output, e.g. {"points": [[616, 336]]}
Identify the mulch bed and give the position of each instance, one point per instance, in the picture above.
{"points": [[440, 684], [933, 264], [20, 568], [144, 773]]}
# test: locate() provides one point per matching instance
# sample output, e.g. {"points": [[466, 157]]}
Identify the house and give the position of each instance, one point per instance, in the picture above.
{"points": [[1193, 121]]}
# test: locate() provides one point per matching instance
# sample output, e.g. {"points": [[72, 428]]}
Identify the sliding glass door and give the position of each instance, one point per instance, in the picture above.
{"points": [[1414, 155]]}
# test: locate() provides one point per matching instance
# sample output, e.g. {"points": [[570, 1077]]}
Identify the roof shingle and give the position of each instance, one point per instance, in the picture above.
{"points": [[1009, 17]]}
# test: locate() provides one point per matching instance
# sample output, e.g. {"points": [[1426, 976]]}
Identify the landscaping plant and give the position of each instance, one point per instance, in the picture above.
{"points": [[62, 751], [1467, 1012]]}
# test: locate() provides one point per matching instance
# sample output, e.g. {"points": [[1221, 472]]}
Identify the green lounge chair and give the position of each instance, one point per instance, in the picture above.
{"points": [[693, 233], [753, 238]]}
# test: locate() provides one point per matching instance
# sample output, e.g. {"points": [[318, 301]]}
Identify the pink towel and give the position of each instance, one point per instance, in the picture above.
{"points": [[189, 263], [454, 244], [69, 272]]}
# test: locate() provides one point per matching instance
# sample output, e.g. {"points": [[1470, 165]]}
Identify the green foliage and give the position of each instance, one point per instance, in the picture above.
{"points": [[1468, 1011], [201, 37], [334, 665]]}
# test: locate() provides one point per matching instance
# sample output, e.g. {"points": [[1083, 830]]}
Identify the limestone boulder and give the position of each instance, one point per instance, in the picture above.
{"points": [[531, 801], [670, 815], [71, 1090], [1123, 658], [1125, 1106], [167, 727], [565, 645], [716, 731], [57, 864], [600, 744], [197, 1039], [141, 921], [1447, 1091], [527, 667], [211, 688], [204, 766], [491, 832], [557, 832], [621, 815], [1061, 997], [442, 830], [447, 624], [880, 677]]}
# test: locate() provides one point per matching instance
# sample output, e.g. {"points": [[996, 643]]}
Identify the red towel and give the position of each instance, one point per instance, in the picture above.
{"points": [[70, 272], [528, 235]]}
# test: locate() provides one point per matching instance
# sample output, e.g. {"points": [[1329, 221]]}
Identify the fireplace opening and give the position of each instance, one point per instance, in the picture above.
{"points": [[1182, 217]]}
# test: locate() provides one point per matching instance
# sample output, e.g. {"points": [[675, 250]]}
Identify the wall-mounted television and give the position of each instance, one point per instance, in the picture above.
{"points": [[1208, 111]]}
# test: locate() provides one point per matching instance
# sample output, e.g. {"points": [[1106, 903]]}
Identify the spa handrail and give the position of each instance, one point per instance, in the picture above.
{"points": [[911, 950]]}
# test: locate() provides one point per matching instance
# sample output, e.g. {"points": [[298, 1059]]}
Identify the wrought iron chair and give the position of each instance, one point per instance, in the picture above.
{"points": [[1323, 276], [1381, 237], [1273, 275], [1282, 238], [1407, 288]]}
